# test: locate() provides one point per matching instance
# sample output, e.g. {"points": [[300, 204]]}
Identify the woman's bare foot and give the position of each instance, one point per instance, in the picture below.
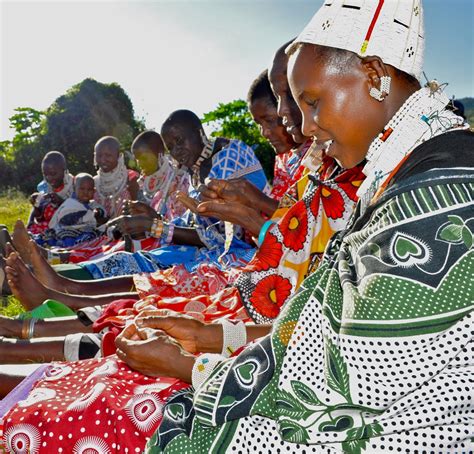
{"points": [[21, 241], [44, 272], [23, 283]]}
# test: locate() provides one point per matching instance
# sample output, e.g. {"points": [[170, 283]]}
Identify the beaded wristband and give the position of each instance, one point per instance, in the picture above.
{"points": [[234, 336], [203, 367], [156, 229], [263, 231]]}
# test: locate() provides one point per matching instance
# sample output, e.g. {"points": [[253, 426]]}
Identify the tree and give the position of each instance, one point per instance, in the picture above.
{"points": [[88, 111], [71, 125], [233, 121]]}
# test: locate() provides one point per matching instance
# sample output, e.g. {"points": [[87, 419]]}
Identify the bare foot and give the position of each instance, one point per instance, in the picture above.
{"points": [[21, 241], [44, 272], [23, 283]]}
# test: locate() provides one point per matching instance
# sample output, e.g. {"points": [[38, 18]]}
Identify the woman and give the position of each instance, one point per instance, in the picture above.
{"points": [[114, 182], [368, 355]]}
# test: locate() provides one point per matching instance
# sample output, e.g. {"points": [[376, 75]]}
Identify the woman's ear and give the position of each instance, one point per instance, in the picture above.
{"points": [[375, 69], [378, 80]]}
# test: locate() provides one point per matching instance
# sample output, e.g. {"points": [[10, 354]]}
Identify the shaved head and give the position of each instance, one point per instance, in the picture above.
{"points": [[182, 119], [109, 142], [54, 158]]}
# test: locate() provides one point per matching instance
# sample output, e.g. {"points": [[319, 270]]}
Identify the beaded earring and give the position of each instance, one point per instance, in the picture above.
{"points": [[380, 94]]}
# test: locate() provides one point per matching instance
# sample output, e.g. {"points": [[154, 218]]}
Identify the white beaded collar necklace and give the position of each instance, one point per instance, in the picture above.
{"points": [[422, 117]]}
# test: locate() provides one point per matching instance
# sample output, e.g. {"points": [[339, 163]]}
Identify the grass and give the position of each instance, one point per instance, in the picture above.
{"points": [[13, 206]]}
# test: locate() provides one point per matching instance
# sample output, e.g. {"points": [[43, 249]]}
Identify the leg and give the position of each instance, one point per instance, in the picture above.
{"points": [[43, 350], [4, 287], [48, 277], [21, 240], [32, 293], [50, 327], [10, 381]]}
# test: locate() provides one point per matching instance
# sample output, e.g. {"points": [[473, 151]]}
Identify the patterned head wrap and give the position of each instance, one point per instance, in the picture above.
{"points": [[390, 29]]}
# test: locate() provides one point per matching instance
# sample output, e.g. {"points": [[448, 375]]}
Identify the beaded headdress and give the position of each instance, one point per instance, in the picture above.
{"points": [[390, 29]]}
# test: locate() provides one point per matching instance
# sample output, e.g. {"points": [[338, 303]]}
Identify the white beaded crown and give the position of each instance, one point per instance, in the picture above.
{"points": [[390, 29]]}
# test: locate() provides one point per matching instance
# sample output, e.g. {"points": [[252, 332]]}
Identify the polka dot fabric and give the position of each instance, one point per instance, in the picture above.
{"points": [[355, 370]]}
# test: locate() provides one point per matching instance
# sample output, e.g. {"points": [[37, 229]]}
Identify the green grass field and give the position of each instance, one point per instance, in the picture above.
{"points": [[13, 206]]}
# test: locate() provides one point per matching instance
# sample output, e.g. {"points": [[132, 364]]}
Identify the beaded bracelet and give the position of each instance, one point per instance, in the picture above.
{"points": [[203, 367], [156, 229], [234, 336], [263, 231]]}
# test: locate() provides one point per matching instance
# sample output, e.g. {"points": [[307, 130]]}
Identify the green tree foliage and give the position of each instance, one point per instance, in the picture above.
{"points": [[233, 121], [468, 109], [88, 111], [71, 125]]}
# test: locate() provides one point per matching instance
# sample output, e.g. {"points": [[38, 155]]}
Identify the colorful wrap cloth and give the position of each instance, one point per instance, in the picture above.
{"points": [[46, 205], [372, 351]]}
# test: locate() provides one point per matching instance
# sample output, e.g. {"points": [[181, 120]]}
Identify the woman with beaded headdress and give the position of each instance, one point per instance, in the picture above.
{"points": [[373, 352]]}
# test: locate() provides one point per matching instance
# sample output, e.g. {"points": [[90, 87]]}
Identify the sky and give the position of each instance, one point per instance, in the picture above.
{"points": [[175, 54]]}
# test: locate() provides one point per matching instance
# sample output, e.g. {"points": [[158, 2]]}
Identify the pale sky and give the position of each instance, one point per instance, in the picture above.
{"points": [[177, 54]]}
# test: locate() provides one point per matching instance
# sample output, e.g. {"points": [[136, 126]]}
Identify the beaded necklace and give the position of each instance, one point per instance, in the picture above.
{"points": [[422, 117], [206, 153], [111, 184], [155, 182]]}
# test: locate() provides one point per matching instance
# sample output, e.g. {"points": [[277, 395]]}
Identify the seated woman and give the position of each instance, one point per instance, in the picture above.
{"points": [[56, 186], [114, 183], [373, 350], [220, 159], [284, 258], [160, 179]]}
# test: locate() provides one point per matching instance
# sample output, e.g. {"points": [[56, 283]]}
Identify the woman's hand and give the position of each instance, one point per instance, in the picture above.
{"points": [[240, 191], [192, 334], [135, 208], [188, 202], [154, 353], [132, 225], [234, 212]]}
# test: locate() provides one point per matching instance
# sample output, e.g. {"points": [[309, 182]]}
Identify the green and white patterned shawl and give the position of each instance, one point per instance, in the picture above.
{"points": [[374, 352]]}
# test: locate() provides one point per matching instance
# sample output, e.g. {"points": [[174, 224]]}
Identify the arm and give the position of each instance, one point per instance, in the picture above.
{"points": [[193, 335], [242, 191], [31, 217], [164, 345], [133, 189], [186, 235]]}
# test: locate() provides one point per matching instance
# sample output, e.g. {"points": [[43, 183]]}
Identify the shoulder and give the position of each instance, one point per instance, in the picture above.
{"points": [[447, 151]]}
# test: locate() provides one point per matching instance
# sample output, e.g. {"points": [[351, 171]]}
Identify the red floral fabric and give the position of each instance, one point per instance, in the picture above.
{"points": [[270, 294]]}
